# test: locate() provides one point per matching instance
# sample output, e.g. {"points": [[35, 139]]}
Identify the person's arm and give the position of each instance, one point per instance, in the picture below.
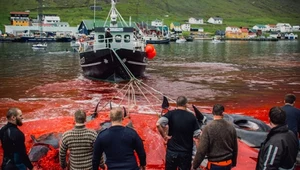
{"points": [[62, 152], [97, 153], [272, 156], [160, 124], [235, 149], [140, 150], [202, 149]]}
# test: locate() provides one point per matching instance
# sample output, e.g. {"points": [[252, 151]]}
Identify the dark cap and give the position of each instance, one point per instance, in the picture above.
{"points": [[108, 28]]}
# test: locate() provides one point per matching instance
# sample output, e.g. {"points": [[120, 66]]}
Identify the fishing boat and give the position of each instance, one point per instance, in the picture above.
{"points": [[118, 57]]}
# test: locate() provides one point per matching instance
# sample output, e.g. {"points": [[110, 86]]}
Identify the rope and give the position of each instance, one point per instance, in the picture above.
{"points": [[124, 66]]}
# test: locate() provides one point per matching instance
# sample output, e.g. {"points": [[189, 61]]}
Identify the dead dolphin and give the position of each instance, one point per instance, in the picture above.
{"points": [[43, 144]]}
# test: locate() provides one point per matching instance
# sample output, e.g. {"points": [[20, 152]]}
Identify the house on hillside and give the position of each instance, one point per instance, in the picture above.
{"points": [[175, 27], [196, 30], [185, 27], [232, 29], [48, 18], [87, 26], [284, 27], [271, 28], [244, 32], [196, 20], [19, 18], [215, 20], [263, 28], [157, 23], [296, 28]]}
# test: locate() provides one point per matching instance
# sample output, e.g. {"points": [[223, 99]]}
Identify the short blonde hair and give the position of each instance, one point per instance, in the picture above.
{"points": [[116, 114]]}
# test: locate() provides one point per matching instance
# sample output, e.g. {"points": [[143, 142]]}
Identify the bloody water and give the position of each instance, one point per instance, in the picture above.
{"points": [[246, 77]]}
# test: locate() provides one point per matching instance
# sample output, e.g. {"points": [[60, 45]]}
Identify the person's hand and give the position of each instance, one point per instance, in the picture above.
{"points": [[166, 138], [103, 167], [142, 167]]}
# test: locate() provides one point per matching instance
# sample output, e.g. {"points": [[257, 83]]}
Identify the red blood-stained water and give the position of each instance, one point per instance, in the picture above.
{"points": [[49, 108]]}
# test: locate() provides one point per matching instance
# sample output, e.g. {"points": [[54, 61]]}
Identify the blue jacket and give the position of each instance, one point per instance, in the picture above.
{"points": [[292, 118], [119, 143]]}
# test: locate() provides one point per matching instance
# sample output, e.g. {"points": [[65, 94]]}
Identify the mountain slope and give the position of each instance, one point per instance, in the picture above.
{"points": [[234, 12]]}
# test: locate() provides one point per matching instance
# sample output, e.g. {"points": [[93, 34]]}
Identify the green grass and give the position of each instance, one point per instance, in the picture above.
{"points": [[234, 12]]}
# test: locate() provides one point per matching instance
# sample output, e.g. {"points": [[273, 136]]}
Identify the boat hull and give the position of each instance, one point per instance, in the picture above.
{"points": [[165, 41], [103, 64]]}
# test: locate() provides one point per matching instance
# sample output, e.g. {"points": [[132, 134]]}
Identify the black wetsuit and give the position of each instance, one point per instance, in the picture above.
{"points": [[13, 144]]}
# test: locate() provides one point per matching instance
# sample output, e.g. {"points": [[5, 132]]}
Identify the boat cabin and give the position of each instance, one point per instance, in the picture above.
{"points": [[122, 37]]}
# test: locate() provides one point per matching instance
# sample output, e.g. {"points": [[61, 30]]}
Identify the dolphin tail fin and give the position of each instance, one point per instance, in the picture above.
{"points": [[125, 112], [199, 115], [95, 114], [165, 105]]}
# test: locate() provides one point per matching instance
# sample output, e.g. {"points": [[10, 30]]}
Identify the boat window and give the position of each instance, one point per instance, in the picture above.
{"points": [[127, 38], [118, 38], [100, 38]]}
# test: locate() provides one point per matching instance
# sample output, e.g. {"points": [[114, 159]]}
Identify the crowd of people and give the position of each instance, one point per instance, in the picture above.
{"points": [[114, 148]]}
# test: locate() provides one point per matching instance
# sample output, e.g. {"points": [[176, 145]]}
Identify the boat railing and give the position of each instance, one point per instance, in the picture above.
{"points": [[115, 43]]}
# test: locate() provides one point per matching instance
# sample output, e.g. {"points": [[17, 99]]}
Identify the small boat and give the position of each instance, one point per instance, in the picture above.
{"points": [[181, 40], [158, 41], [39, 46], [189, 38], [116, 54], [215, 40]]}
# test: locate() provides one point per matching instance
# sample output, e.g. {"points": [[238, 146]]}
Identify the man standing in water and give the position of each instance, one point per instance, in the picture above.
{"points": [[13, 143], [280, 149], [292, 114], [183, 126], [119, 143], [218, 142]]}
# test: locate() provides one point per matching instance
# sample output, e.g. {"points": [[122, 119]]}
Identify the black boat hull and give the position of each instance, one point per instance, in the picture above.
{"points": [[105, 65], [166, 41]]}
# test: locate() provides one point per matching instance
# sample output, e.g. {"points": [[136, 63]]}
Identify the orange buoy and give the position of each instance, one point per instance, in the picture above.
{"points": [[152, 54], [149, 48]]}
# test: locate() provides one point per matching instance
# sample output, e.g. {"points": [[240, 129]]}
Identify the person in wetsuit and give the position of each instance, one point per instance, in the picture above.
{"points": [[13, 143]]}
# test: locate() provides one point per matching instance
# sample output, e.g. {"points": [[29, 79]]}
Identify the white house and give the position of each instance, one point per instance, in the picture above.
{"points": [[233, 29], [157, 23], [185, 27], [260, 27], [196, 20], [296, 28], [49, 18], [271, 27], [284, 27], [215, 20]]}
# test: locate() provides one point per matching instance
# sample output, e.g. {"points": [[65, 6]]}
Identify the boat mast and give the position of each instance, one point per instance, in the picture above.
{"points": [[114, 14], [94, 14]]}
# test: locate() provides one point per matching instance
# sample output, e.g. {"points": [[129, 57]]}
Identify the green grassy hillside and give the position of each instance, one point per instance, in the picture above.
{"points": [[233, 12]]}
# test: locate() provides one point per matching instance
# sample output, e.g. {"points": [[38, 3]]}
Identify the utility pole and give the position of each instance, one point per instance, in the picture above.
{"points": [[137, 10], [40, 14]]}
